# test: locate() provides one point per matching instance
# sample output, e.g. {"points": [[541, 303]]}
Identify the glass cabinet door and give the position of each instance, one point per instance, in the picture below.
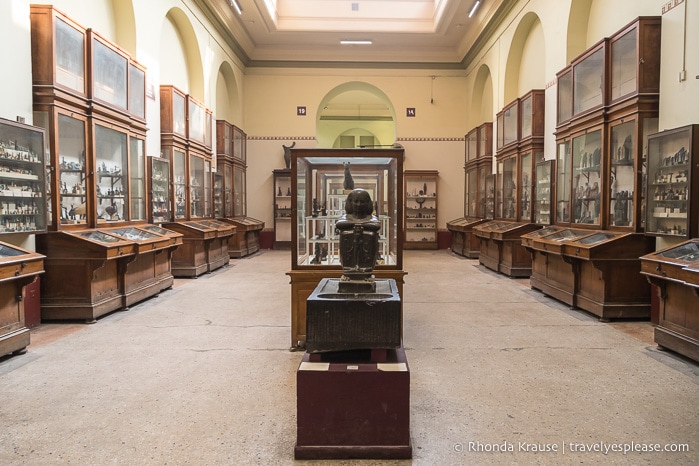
{"points": [[239, 209], [179, 184], [111, 174], [588, 81], [70, 56], [471, 145], [137, 91], [109, 73], [196, 187], [218, 195], [510, 178], [542, 207], [525, 201], [672, 173], [137, 178], [228, 190], [623, 64], [563, 182], [207, 189], [71, 155], [471, 201], [160, 189], [511, 123], [565, 96], [622, 174], [587, 183], [489, 195], [239, 144]]}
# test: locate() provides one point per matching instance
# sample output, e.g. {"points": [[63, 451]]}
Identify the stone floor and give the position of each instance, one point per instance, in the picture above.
{"points": [[202, 374]]}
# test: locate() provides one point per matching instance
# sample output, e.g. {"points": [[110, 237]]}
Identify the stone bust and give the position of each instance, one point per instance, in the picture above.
{"points": [[359, 237]]}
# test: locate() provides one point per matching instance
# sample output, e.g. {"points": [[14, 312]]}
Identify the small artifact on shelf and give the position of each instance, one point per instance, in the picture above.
{"points": [[348, 182]]}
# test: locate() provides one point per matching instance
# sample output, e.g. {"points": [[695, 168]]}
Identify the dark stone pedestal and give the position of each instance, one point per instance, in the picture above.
{"points": [[351, 407], [338, 321]]}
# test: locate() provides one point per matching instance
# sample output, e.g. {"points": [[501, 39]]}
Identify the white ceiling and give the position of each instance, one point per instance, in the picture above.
{"points": [[424, 33]]}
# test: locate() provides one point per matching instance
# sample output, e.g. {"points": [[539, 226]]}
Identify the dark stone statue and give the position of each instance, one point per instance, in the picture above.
{"points": [[359, 242], [287, 154], [348, 182]]}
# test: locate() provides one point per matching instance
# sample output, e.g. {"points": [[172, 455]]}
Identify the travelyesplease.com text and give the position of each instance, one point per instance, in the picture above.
{"points": [[565, 447]]}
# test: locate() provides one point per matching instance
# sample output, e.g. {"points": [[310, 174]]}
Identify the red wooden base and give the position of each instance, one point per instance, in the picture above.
{"points": [[353, 407]]}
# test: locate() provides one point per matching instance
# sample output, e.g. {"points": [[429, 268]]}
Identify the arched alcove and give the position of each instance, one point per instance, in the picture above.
{"points": [[180, 59], [482, 97], [125, 25], [527, 45], [228, 103], [356, 109], [576, 38]]}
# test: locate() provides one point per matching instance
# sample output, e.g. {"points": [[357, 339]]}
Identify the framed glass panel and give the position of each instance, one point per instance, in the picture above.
{"points": [[178, 113], [160, 189], [71, 156], [525, 201], [110, 71], [197, 197], [485, 136], [228, 190], [501, 131], [509, 188], [179, 184], [239, 144], [137, 172], [527, 115], [70, 57], [542, 209], [588, 82], [565, 96], [218, 195], [198, 119], [563, 182], [112, 169], [471, 145], [587, 184], [624, 64], [472, 193], [207, 189], [622, 175], [511, 122], [137, 91], [489, 196], [239, 209]]}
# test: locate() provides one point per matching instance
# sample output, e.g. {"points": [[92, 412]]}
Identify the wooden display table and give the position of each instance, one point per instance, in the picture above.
{"points": [[463, 239], [203, 246], [95, 261], [675, 273], [18, 268], [501, 247], [246, 241], [217, 248]]}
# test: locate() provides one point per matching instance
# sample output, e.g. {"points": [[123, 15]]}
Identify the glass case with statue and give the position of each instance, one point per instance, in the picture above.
{"points": [[420, 209]]}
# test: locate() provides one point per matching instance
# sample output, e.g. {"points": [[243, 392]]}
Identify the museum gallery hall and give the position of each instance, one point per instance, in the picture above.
{"points": [[349, 232]]}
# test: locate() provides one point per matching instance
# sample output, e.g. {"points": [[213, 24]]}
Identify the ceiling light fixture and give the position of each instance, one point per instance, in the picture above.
{"points": [[236, 6], [474, 8], [355, 42]]}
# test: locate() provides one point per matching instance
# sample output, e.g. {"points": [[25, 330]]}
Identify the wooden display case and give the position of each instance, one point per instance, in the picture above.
{"points": [[192, 257], [673, 195], [149, 272], [318, 174], [22, 178], [95, 261], [18, 268], [675, 273], [217, 250], [282, 208], [478, 162], [231, 156], [420, 209]]}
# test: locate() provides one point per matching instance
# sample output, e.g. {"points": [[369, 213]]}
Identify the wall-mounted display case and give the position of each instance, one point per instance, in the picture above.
{"points": [[589, 79], [282, 208], [675, 272], [508, 125], [22, 178], [317, 177], [108, 73], [420, 209], [673, 195], [19, 267]]}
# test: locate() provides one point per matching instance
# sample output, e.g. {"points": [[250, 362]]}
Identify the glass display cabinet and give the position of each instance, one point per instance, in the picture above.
{"points": [[231, 156], [589, 78], [675, 273], [282, 208], [564, 95], [161, 202], [420, 226], [19, 267], [673, 195], [108, 72], [22, 178], [478, 156], [317, 184], [587, 183], [508, 125]]}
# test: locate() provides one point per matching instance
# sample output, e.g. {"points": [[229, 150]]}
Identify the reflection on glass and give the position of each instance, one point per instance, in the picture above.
{"points": [[99, 236], [471, 145], [563, 180], [196, 186], [527, 117], [70, 57], [511, 122], [587, 154], [180, 184], [686, 252], [228, 191], [71, 156], [472, 193], [588, 78], [596, 238], [137, 91], [178, 104], [623, 64], [565, 97], [238, 192], [110, 146], [526, 191], [566, 235], [622, 174], [133, 234], [6, 251], [110, 74]]}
